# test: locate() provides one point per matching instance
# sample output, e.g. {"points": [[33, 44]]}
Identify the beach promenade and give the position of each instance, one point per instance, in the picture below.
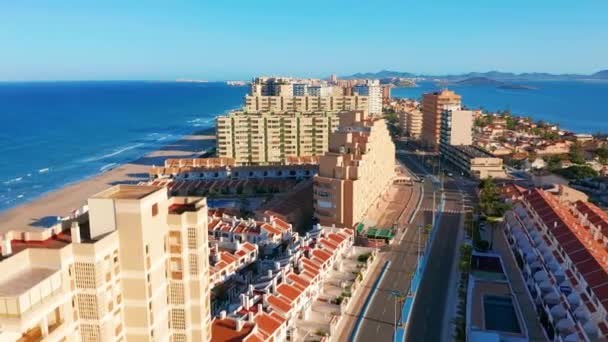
{"points": [[43, 212]]}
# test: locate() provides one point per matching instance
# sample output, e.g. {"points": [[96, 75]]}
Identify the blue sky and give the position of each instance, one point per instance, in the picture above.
{"points": [[217, 40]]}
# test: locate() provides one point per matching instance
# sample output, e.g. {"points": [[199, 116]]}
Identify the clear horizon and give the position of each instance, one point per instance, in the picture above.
{"points": [[167, 41]]}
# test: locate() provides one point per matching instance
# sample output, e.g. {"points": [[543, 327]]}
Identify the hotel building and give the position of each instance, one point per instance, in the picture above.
{"points": [[272, 138], [433, 105], [356, 170], [134, 268], [281, 104], [564, 260]]}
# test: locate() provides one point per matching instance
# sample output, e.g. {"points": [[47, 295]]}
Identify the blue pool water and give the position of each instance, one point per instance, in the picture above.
{"points": [[500, 314]]}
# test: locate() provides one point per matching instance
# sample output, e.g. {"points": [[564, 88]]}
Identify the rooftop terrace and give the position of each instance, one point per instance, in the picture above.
{"points": [[127, 192]]}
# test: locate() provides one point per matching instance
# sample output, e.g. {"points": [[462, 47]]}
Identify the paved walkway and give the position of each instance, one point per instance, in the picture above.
{"points": [[535, 330]]}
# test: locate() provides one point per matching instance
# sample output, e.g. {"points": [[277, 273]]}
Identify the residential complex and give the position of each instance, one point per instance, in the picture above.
{"points": [[358, 167], [410, 123], [134, 268], [433, 105], [262, 138], [562, 250]]}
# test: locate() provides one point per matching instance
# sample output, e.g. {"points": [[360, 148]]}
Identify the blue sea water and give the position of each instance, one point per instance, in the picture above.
{"points": [[576, 106], [55, 133]]}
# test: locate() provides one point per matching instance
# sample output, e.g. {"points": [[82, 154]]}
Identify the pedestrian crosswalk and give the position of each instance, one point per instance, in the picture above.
{"points": [[447, 211]]}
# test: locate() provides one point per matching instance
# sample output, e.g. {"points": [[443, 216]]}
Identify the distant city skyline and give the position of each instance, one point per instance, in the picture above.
{"points": [[166, 41]]}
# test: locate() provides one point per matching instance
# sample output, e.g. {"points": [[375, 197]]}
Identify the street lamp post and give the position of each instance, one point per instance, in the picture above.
{"points": [[398, 296]]}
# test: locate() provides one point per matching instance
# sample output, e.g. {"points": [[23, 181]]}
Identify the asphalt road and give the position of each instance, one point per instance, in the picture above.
{"points": [[427, 317], [379, 322]]}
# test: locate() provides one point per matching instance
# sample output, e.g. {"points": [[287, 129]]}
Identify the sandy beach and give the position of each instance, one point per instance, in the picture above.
{"points": [[42, 212]]}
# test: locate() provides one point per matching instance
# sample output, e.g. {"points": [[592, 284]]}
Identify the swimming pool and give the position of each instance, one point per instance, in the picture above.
{"points": [[500, 314]]}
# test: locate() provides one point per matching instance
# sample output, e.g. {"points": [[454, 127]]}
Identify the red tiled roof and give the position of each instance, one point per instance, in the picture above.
{"points": [[289, 291], [588, 256], [223, 330], [321, 254], [279, 303], [267, 324]]}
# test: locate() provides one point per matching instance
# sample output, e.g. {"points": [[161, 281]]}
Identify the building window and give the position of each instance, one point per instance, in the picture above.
{"points": [[154, 209]]}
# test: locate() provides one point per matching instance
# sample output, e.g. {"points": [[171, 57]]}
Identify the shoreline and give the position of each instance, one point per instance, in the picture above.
{"points": [[42, 212]]}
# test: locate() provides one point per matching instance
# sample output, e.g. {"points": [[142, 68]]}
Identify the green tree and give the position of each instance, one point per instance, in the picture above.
{"points": [[576, 154], [492, 208]]}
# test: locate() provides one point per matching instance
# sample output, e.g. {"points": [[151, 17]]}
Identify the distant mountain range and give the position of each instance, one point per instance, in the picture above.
{"points": [[491, 82], [493, 75]]}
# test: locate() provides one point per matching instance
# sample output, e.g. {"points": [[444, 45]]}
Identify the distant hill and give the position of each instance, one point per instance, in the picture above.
{"points": [[380, 74], [484, 81], [602, 75], [478, 81], [493, 75]]}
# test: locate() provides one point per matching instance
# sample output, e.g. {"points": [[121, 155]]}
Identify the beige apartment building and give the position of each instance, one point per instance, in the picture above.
{"points": [[280, 104], [433, 105], [134, 269], [263, 138], [358, 167], [411, 123], [456, 127]]}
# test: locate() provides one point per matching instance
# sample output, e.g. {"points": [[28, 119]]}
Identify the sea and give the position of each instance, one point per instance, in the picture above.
{"points": [[579, 106], [56, 133]]}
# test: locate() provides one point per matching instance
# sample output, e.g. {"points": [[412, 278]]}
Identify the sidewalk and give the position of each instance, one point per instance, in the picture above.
{"points": [[452, 299], [535, 330], [356, 305]]}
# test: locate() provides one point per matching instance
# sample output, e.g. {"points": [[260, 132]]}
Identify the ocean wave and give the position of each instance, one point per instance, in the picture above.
{"points": [[46, 169], [107, 166], [115, 153], [198, 122], [14, 180]]}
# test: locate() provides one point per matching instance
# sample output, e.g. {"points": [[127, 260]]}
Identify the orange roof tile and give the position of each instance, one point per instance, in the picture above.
{"points": [[223, 330], [289, 291], [279, 303], [267, 324]]}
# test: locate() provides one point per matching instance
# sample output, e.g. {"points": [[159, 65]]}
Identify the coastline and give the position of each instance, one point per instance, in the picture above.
{"points": [[42, 212]]}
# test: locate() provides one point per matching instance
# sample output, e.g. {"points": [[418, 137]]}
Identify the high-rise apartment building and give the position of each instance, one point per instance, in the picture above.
{"points": [[433, 105], [373, 90], [411, 123], [271, 138], [134, 269], [333, 79], [456, 126], [386, 91], [304, 103], [272, 86], [320, 90], [358, 167]]}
